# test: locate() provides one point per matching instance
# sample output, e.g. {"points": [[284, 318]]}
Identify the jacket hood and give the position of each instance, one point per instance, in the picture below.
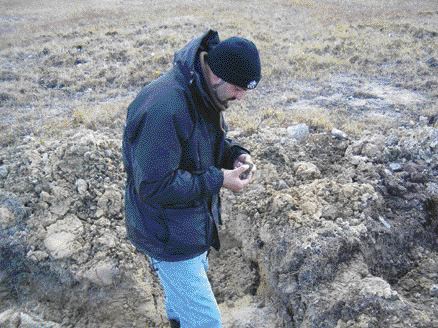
{"points": [[185, 59], [188, 62]]}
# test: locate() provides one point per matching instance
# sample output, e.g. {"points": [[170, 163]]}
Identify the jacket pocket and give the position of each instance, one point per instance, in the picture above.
{"points": [[187, 230]]}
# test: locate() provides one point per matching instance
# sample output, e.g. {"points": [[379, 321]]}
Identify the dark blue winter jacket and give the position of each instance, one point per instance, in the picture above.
{"points": [[173, 149]]}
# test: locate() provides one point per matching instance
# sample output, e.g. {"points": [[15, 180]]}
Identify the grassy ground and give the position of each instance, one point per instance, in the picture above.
{"points": [[66, 64]]}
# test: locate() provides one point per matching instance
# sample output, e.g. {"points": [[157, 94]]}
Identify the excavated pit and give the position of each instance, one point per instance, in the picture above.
{"points": [[326, 235]]}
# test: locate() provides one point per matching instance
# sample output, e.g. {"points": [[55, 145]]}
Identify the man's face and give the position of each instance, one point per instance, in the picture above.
{"points": [[228, 92]]}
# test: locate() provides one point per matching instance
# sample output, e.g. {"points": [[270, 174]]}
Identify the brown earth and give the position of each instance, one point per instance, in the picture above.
{"points": [[337, 229]]}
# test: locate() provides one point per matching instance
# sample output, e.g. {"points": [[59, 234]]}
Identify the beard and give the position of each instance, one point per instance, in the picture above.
{"points": [[219, 93]]}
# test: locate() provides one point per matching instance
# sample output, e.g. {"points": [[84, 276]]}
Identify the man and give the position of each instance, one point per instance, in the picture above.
{"points": [[177, 158]]}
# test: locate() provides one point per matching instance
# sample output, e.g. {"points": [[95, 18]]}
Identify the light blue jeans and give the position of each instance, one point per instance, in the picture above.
{"points": [[189, 298]]}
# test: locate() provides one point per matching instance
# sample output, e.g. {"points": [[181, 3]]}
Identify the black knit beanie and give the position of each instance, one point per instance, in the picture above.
{"points": [[236, 60]]}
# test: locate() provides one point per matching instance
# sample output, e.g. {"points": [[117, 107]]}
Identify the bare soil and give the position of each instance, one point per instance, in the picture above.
{"points": [[337, 229]]}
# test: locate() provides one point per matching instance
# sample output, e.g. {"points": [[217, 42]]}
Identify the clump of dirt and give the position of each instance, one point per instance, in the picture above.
{"points": [[331, 232], [65, 258], [344, 233]]}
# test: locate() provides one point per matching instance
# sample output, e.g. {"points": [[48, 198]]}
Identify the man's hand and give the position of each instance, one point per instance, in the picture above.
{"points": [[245, 159], [232, 178]]}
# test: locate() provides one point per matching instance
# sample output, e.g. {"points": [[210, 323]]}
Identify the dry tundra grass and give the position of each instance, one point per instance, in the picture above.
{"points": [[65, 64]]}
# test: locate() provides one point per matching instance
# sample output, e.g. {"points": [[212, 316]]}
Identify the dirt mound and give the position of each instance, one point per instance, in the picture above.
{"points": [[63, 241], [331, 232], [338, 227]]}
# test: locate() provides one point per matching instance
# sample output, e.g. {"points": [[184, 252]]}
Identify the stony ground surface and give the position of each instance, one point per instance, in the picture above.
{"points": [[339, 226]]}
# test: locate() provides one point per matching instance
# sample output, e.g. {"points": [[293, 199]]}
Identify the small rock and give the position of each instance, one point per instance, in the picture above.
{"points": [[81, 186], [27, 321], [62, 237], [38, 188], [282, 185], [110, 202], [371, 150], [298, 132], [7, 218], [103, 273], [46, 197], [3, 171], [309, 207], [384, 222], [280, 201], [103, 222], [28, 139], [338, 134], [434, 291], [375, 286], [99, 213], [395, 167], [307, 170], [60, 208], [330, 212], [423, 119], [432, 188], [391, 140], [108, 240], [37, 256], [361, 229], [61, 244], [356, 160]]}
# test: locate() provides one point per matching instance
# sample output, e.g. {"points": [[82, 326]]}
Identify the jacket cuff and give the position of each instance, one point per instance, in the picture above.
{"points": [[236, 151]]}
